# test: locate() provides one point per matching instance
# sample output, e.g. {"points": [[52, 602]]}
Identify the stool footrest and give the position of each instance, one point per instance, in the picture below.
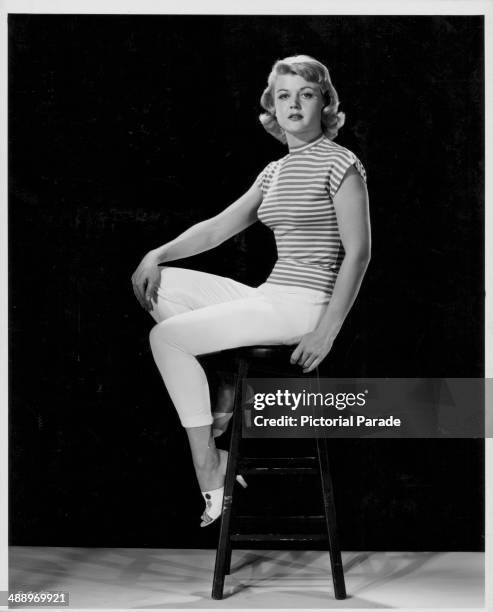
{"points": [[278, 537], [278, 465], [278, 471], [280, 517]]}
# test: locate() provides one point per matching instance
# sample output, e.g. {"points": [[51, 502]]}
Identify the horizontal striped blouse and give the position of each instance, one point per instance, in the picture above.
{"points": [[297, 205]]}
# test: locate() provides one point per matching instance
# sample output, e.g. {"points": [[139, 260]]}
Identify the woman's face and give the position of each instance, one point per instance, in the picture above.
{"points": [[298, 105]]}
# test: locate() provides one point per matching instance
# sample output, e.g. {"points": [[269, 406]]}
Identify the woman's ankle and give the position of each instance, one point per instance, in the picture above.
{"points": [[210, 475]]}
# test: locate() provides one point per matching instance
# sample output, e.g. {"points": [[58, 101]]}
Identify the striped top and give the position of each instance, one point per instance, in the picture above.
{"points": [[298, 192]]}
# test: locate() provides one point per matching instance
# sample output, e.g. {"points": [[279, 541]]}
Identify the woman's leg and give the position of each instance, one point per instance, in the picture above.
{"points": [[176, 341], [183, 291]]}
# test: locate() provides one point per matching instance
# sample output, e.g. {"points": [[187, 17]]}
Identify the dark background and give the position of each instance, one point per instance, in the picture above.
{"points": [[125, 130]]}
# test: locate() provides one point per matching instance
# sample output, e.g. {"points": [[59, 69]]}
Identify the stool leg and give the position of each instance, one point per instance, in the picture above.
{"points": [[224, 543], [330, 517], [227, 568]]}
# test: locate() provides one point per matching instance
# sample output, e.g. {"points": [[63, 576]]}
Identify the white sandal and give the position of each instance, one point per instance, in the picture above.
{"points": [[214, 502]]}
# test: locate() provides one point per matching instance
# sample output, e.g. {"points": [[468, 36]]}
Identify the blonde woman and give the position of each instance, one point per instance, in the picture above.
{"points": [[315, 201]]}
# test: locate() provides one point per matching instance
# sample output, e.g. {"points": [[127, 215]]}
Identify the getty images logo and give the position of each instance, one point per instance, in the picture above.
{"points": [[293, 400]]}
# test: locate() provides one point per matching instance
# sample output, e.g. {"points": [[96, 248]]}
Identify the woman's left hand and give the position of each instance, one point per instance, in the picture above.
{"points": [[311, 350]]}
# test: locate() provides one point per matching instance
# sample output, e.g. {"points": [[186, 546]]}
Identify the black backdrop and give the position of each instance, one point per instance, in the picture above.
{"points": [[125, 130]]}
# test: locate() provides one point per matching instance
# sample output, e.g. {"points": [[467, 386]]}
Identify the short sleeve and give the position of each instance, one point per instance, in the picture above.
{"points": [[260, 181], [339, 167]]}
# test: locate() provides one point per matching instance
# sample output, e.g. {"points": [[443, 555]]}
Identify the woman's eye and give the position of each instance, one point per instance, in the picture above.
{"points": [[308, 94], [283, 96]]}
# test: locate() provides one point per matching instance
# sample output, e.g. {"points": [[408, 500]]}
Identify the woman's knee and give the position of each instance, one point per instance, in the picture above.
{"points": [[157, 335], [164, 333]]}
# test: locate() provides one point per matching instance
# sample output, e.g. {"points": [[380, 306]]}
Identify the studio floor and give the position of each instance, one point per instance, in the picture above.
{"points": [[134, 578]]}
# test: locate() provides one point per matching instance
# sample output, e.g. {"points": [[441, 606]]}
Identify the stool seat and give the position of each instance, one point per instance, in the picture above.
{"points": [[265, 352], [257, 351], [277, 355], [263, 357]]}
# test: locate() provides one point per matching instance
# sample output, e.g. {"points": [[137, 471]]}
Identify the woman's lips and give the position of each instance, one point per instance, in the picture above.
{"points": [[295, 117]]}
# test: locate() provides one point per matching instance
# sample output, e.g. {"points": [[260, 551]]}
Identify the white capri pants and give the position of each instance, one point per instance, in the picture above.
{"points": [[198, 313]]}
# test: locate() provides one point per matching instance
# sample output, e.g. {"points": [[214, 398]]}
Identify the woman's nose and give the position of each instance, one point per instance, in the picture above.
{"points": [[295, 103]]}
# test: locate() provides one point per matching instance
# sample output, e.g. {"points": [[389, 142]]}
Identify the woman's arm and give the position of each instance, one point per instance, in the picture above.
{"points": [[212, 232], [200, 237], [351, 206]]}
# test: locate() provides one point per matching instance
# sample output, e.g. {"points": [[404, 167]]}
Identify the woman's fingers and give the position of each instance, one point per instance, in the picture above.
{"points": [[296, 354], [139, 287], [151, 295], [310, 352], [311, 364], [300, 357], [138, 295], [305, 358], [145, 282]]}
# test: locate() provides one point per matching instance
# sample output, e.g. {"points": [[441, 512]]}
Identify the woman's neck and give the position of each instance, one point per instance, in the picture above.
{"points": [[295, 141]]}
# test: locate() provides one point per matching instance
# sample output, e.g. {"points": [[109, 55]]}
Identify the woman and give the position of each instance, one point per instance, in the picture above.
{"points": [[315, 201]]}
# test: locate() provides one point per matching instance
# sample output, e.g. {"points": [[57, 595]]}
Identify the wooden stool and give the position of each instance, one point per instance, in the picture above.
{"points": [[245, 357]]}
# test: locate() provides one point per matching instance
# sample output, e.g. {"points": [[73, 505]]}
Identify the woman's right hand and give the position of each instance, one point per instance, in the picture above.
{"points": [[146, 280]]}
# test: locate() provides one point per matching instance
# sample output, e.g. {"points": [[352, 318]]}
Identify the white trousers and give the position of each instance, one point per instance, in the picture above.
{"points": [[198, 313]]}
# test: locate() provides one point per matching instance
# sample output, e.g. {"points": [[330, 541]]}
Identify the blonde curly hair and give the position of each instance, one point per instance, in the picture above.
{"points": [[313, 71]]}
